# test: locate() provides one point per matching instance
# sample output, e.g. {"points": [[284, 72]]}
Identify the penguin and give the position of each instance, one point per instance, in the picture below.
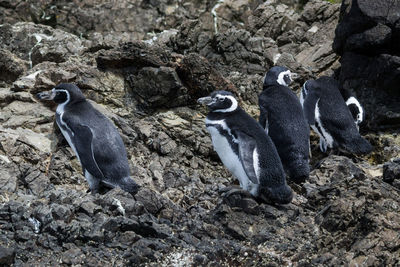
{"points": [[354, 106], [330, 117], [245, 149], [281, 115], [93, 138]]}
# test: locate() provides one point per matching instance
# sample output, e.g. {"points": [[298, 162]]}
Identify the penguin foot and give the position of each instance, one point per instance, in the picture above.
{"points": [[323, 146], [237, 191], [241, 199]]}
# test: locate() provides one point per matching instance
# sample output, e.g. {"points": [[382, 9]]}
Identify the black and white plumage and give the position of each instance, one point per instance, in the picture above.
{"points": [[354, 106], [93, 137], [281, 115], [329, 116], [245, 149]]}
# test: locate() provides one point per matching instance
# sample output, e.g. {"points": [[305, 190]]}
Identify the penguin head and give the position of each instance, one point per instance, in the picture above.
{"points": [[356, 110], [278, 75], [220, 101], [308, 86], [63, 93]]}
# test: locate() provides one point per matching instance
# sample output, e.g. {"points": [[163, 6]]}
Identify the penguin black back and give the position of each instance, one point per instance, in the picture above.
{"points": [[332, 116], [281, 115]]}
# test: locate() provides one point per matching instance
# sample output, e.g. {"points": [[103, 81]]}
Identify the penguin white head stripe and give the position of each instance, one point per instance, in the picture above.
{"points": [[220, 101], [284, 78], [356, 109], [278, 75]]}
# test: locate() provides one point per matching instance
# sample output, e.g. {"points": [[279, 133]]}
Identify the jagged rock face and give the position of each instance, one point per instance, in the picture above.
{"points": [[346, 213], [367, 37]]}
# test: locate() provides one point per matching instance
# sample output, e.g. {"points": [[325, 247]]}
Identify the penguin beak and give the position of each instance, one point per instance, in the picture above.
{"points": [[205, 100], [47, 95]]}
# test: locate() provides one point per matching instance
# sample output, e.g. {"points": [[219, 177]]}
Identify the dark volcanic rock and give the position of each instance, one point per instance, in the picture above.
{"points": [[391, 171], [11, 67], [37, 43], [158, 78], [367, 36], [6, 256]]}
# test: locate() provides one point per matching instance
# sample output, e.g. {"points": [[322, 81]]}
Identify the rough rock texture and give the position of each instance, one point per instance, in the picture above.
{"points": [[367, 36], [347, 213]]}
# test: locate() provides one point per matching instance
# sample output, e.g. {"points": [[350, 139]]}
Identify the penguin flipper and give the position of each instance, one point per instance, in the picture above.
{"points": [[263, 120], [247, 145], [82, 139]]}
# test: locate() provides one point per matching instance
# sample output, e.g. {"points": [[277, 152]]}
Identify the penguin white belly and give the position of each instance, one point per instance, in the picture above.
{"points": [[231, 160]]}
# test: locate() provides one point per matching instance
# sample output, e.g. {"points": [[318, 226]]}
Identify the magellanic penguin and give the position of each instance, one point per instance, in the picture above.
{"points": [[329, 116], [354, 106], [93, 137], [245, 149], [281, 115]]}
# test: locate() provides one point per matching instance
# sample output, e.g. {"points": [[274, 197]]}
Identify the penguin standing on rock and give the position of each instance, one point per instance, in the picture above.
{"points": [[282, 117], [329, 116], [94, 139], [245, 149]]}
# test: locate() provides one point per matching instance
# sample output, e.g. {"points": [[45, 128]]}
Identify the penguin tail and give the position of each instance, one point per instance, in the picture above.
{"points": [[282, 194], [299, 171], [129, 185], [358, 146]]}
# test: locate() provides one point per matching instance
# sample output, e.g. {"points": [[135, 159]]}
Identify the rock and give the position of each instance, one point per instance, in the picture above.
{"points": [[176, 79], [38, 43], [391, 171], [11, 67], [158, 86], [373, 38], [29, 137], [8, 176], [366, 36], [270, 21], [7, 255], [73, 256]]}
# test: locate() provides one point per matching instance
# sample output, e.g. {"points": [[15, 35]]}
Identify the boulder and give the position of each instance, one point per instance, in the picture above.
{"points": [[37, 43], [367, 36]]}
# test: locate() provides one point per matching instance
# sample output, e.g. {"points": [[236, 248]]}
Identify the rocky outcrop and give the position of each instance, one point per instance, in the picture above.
{"points": [[367, 37], [274, 34], [346, 213]]}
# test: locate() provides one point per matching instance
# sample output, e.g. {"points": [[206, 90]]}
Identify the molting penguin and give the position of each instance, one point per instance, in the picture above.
{"points": [[354, 106], [281, 115], [329, 116], [245, 149], [94, 139]]}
